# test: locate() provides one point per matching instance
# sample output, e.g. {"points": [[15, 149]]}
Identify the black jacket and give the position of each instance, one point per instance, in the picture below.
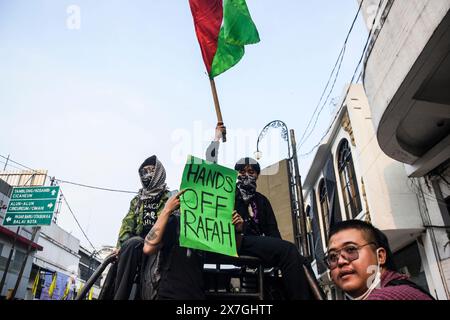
{"points": [[267, 224]]}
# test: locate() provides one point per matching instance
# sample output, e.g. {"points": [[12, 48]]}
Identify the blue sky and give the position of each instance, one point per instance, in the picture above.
{"points": [[90, 104]]}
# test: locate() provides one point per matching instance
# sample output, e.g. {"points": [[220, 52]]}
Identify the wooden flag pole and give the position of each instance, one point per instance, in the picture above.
{"points": [[217, 106]]}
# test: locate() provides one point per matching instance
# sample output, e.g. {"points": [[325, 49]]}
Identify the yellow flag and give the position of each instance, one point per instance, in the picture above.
{"points": [[66, 291], [91, 292], [36, 283], [52, 287]]}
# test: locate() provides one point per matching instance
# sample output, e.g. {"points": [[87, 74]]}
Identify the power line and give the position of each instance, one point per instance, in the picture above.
{"points": [[338, 62], [65, 200], [76, 220], [69, 182], [9, 159], [351, 82], [10, 165], [323, 106]]}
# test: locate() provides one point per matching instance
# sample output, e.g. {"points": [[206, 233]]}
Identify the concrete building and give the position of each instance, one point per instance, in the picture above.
{"points": [[65, 262], [274, 184], [407, 81], [89, 261], [352, 178], [60, 259], [17, 251]]}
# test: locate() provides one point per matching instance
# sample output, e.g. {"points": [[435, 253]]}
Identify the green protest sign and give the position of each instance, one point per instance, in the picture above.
{"points": [[207, 206]]}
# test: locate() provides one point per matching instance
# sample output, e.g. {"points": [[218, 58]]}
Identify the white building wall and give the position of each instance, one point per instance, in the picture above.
{"points": [[60, 251], [392, 204], [435, 240], [409, 26], [392, 201], [446, 269], [433, 269], [12, 275]]}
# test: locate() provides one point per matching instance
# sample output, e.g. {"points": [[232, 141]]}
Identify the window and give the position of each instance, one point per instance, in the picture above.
{"points": [[325, 208], [2, 258], [349, 184], [19, 258], [409, 261], [86, 273], [447, 203]]}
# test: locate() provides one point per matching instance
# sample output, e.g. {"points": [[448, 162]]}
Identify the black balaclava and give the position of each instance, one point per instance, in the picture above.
{"points": [[246, 184]]}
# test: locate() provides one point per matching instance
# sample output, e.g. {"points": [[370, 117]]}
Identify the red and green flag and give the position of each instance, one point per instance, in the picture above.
{"points": [[223, 28]]}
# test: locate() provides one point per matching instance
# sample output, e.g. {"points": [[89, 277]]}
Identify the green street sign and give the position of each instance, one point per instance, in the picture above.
{"points": [[31, 206]]}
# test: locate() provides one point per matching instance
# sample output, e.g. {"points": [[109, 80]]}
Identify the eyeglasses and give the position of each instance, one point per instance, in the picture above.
{"points": [[349, 253]]}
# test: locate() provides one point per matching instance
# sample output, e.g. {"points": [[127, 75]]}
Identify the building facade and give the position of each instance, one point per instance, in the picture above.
{"points": [[57, 267], [14, 244], [407, 81], [273, 183]]}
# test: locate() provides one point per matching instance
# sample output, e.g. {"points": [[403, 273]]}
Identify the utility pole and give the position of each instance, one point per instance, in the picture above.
{"points": [[8, 262], [11, 252], [303, 240], [6, 163], [24, 263]]}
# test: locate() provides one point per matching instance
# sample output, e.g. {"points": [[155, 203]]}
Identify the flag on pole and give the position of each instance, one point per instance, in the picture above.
{"points": [[36, 283], [80, 288], [52, 287], [223, 28], [66, 290], [91, 293]]}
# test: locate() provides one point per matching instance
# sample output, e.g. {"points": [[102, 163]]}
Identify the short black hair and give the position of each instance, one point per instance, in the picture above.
{"points": [[371, 233], [242, 163]]}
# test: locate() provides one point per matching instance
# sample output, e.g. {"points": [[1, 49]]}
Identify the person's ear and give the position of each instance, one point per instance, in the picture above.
{"points": [[381, 255]]}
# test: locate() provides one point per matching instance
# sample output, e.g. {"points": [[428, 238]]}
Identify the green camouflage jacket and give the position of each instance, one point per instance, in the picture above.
{"points": [[132, 224]]}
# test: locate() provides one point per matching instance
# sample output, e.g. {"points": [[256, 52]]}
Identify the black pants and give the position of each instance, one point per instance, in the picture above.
{"points": [[122, 274], [284, 255]]}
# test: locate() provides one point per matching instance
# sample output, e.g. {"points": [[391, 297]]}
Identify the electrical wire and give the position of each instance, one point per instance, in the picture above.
{"points": [[338, 64], [94, 187], [351, 82], [65, 200]]}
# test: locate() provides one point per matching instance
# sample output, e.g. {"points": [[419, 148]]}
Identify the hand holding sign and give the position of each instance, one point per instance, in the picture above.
{"points": [[174, 202], [207, 206], [237, 221]]}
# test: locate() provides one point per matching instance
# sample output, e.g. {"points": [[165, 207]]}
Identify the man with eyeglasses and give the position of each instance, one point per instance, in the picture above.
{"points": [[361, 264], [144, 210]]}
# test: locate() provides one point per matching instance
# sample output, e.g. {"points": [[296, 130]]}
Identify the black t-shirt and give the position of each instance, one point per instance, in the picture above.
{"points": [[181, 268], [263, 222]]}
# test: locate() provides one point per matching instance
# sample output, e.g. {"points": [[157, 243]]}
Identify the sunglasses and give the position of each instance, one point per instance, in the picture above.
{"points": [[349, 252]]}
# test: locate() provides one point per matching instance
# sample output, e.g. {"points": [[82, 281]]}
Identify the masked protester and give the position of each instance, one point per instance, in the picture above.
{"points": [[260, 236], [180, 269], [142, 215], [361, 264]]}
